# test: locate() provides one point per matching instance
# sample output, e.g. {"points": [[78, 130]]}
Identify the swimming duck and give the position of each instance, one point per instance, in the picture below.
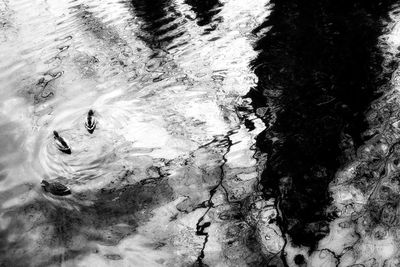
{"points": [[91, 122], [61, 143], [55, 188]]}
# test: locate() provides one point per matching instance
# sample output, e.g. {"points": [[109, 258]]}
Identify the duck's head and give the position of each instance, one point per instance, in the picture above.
{"points": [[90, 124], [55, 134], [44, 184]]}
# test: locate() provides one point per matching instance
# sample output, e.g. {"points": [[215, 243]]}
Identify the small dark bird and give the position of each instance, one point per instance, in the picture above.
{"points": [[61, 143], [55, 188], [91, 122]]}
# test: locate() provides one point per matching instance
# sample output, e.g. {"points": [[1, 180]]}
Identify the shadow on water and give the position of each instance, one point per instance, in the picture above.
{"points": [[97, 27], [319, 68], [160, 22], [65, 228], [206, 11]]}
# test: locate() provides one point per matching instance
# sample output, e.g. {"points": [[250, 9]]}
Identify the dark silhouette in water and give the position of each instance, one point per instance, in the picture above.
{"points": [[61, 143], [91, 122], [55, 188], [319, 68]]}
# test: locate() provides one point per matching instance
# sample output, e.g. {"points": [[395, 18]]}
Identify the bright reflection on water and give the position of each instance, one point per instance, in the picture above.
{"points": [[164, 79]]}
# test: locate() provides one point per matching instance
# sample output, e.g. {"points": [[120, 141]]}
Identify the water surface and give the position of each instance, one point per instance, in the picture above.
{"points": [[170, 153]]}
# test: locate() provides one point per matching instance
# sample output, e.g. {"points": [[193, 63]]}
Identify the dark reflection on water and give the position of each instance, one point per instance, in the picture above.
{"points": [[206, 11], [161, 24], [319, 68]]}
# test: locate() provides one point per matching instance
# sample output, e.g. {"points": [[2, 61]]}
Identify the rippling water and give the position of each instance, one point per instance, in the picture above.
{"points": [[328, 92], [165, 80], [229, 133]]}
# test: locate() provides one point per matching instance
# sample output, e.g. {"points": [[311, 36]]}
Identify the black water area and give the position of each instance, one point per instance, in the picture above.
{"points": [[319, 68]]}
